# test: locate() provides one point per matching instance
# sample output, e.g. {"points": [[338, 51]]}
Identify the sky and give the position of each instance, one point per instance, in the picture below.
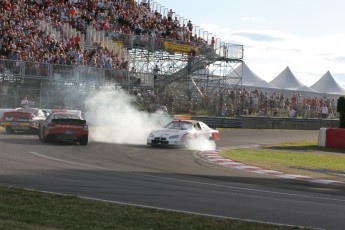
{"points": [[306, 35]]}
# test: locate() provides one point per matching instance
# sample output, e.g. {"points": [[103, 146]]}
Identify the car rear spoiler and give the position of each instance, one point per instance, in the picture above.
{"points": [[69, 121], [15, 113]]}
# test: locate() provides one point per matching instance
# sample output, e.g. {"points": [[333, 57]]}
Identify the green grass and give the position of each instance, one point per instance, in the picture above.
{"points": [[306, 158], [24, 209], [304, 146]]}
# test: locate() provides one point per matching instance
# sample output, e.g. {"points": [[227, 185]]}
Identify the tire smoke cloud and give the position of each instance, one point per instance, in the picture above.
{"points": [[114, 118]]}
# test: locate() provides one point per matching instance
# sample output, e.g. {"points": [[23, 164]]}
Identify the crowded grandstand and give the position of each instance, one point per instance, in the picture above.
{"points": [[48, 48]]}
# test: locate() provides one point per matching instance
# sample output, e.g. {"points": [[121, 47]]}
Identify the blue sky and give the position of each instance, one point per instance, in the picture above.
{"points": [[306, 35]]}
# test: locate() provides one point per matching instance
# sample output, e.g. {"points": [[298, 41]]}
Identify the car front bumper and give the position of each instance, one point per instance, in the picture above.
{"points": [[156, 141]]}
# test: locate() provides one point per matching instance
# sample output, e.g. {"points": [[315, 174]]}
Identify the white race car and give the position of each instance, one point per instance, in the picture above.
{"points": [[184, 133]]}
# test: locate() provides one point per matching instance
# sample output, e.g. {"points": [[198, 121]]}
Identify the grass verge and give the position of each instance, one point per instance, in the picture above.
{"points": [[30, 210], [304, 158]]}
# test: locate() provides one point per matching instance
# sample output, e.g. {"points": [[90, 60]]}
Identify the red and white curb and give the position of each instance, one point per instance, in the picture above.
{"points": [[214, 157]]}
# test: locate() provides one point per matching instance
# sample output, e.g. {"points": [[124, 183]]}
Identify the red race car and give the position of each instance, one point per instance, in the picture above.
{"points": [[64, 126], [22, 119]]}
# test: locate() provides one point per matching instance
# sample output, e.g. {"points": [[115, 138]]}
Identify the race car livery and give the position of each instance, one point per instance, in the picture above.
{"points": [[182, 133], [64, 126], [22, 119]]}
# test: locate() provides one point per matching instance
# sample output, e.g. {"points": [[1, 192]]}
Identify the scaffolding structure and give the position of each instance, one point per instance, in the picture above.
{"points": [[181, 77]]}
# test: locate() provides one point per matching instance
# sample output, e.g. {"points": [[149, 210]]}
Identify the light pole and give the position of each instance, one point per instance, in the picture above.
{"points": [[203, 36], [201, 29]]}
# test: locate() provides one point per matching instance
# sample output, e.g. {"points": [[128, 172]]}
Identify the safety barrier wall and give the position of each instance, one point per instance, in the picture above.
{"points": [[287, 123], [249, 122], [259, 122]]}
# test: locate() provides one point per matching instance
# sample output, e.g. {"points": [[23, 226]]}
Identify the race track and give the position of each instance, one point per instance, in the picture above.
{"points": [[173, 179]]}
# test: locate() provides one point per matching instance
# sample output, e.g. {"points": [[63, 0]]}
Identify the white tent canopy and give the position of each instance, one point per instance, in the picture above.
{"points": [[287, 80], [327, 84], [249, 78], [307, 89]]}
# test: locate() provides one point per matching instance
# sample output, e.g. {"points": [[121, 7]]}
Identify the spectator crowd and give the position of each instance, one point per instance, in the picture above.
{"points": [[23, 38], [237, 102]]}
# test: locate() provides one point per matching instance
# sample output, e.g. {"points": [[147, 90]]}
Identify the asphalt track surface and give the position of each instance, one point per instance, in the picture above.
{"points": [[173, 179]]}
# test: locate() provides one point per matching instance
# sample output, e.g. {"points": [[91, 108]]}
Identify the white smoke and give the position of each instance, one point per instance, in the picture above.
{"points": [[202, 144], [113, 118]]}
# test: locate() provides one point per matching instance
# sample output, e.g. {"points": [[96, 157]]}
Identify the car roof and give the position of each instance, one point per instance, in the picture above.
{"points": [[27, 110]]}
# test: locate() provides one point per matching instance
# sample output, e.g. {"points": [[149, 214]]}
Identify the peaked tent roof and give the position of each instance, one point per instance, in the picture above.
{"points": [[287, 80], [249, 78], [307, 89], [327, 84]]}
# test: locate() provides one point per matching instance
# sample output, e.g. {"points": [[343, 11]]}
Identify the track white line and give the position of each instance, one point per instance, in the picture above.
{"points": [[186, 181]]}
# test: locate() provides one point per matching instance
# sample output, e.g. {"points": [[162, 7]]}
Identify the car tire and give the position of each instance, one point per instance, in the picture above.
{"points": [[9, 130], [83, 140], [48, 138]]}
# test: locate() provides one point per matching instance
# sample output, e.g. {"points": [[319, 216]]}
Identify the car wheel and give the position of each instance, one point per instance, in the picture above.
{"points": [[47, 138], [83, 140], [9, 130]]}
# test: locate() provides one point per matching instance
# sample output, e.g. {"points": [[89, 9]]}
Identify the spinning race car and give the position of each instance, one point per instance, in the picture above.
{"points": [[184, 133], [64, 126]]}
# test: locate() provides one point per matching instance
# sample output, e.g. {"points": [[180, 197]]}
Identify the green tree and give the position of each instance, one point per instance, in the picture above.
{"points": [[341, 111]]}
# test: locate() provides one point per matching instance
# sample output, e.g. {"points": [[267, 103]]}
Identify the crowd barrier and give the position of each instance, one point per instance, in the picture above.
{"points": [[72, 73]]}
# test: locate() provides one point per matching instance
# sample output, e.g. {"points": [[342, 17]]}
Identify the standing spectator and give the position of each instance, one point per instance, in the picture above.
{"points": [[144, 2], [213, 42], [25, 102], [225, 51], [324, 111], [170, 15], [155, 72], [190, 26]]}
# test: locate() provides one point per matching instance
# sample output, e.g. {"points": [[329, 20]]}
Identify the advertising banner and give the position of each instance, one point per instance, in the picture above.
{"points": [[180, 48]]}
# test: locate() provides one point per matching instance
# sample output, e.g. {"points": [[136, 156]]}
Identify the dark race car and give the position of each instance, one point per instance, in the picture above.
{"points": [[64, 126], [23, 119]]}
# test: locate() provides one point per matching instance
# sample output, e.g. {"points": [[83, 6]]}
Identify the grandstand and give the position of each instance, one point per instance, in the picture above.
{"points": [[58, 52]]}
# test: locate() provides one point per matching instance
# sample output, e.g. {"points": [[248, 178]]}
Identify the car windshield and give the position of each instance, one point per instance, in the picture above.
{"points": [[179, 125]]}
